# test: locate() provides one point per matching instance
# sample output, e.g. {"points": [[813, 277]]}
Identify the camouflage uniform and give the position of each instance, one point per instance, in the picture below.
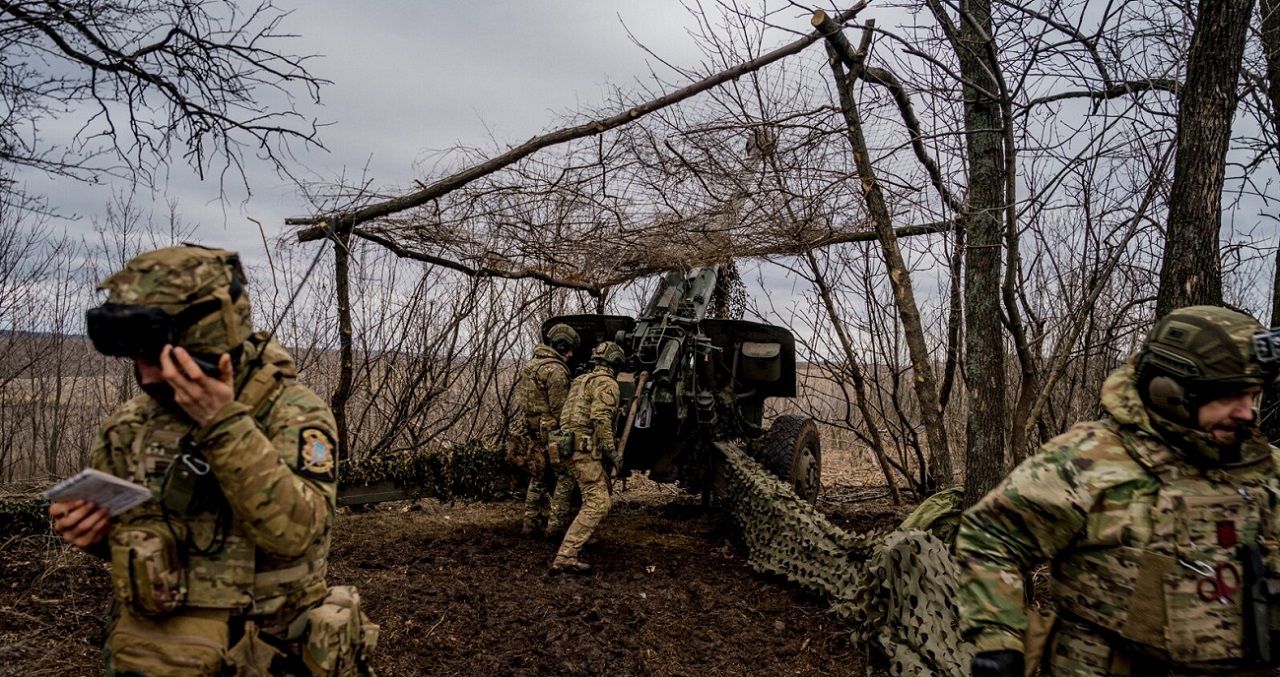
{"points": [[544, 383], [589, 413], [1136, 533], [235, 543]]}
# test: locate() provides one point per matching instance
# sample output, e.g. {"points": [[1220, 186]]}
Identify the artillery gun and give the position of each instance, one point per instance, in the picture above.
{"points": [[693, 381]]}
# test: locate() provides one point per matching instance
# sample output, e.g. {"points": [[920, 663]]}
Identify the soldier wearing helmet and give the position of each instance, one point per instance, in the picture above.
{"points": [[543, 385], [1160, 521], [583, 445], [224, 569]]}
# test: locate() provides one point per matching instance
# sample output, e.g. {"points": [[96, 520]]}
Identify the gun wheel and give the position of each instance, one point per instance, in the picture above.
{"points": [[792, 451]]}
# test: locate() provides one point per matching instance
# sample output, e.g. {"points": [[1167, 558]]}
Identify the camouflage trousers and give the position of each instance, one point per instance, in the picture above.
{"points": [[536, 498], [333, 638], [561, 499], [589, 474], [1080, 650]]}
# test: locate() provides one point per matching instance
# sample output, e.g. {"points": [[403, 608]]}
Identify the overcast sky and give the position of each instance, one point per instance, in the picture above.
{"points": [[410, 78]]}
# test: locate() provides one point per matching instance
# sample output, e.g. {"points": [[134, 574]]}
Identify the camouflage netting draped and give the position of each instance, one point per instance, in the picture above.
{"points": [[897, 590], [471, 471], [702, 182], [23, 514]]}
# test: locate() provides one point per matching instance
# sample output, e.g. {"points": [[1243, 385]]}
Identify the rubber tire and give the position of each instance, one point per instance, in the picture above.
{"points": [[792, 450]]}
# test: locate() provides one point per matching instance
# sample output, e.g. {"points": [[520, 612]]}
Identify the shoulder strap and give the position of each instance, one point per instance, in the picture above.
{"points": [[553, 362], [261, 390]]}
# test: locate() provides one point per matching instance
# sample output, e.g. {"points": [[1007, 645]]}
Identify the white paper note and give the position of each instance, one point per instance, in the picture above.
{"points": [[108, 491]]}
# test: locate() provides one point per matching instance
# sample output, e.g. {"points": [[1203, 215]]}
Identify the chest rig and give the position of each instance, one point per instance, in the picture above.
{"points": [[1175, 558], [577, 405], [186, 548], [540, 417]]}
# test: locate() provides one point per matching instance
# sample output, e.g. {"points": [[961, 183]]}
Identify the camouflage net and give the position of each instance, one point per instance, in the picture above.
{"points": [[905, 605], [898, 590], [23, 515], [471, 471]]}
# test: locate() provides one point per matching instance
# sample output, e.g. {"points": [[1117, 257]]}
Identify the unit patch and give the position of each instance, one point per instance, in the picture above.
{"points": [[315, 455]]}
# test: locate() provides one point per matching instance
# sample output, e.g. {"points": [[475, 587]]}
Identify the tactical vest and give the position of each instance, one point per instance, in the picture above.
{"points": [[538, 411], [163, 561], [1158, 564], [576, 416]]}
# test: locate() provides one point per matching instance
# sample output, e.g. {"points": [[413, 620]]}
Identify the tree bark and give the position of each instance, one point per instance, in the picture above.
{"points": [[1191, 272], [1270, 10], [346, 360], [926, 384], [984, 123], [1271, 50]]}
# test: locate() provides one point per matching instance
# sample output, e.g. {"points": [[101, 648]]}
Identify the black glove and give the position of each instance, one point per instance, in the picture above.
{"points": [[1006, 663]]}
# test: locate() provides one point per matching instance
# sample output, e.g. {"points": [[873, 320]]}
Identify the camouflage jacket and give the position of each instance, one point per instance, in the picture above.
{"points": [[1134, 532], [544, 384], [261, 549], [591, 407]]}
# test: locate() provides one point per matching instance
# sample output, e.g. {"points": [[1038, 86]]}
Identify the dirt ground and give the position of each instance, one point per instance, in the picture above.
{"points": [[458, 591]]}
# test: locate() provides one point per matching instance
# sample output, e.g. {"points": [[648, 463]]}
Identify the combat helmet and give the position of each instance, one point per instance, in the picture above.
{"points": [[562, 338], [610, 354], [189, 296], [1197, 354]]}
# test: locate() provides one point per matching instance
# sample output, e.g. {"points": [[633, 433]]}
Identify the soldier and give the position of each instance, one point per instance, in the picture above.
{"points": [[544, 383], [223, 571], [1160, 520], [584, 442]]}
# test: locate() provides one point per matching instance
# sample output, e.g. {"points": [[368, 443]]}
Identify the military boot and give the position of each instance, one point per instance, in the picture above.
{"points": [[554, 532], [531, 526], [569, 565]]}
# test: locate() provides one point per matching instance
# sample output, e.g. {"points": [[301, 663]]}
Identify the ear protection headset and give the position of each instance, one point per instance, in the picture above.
{"points": [[1167, 381]]}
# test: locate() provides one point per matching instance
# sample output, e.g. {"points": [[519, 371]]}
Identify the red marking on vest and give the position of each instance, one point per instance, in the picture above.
{"points": [[1227, 534]]}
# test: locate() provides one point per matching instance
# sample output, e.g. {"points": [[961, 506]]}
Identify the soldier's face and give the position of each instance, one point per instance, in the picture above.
{"points": [[151, 380], [1226, 418], [148, 372]]}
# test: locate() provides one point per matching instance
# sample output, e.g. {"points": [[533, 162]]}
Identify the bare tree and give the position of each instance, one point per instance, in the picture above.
{"points": [[141, 80], [1191, 272]]}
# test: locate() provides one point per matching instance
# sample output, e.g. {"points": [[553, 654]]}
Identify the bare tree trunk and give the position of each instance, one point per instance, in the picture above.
{"points": [[984, 123], [926, 384], [346, 361], [1270, 10], [955, 318], [1271, 48], [1191, 272], [855, 372]]}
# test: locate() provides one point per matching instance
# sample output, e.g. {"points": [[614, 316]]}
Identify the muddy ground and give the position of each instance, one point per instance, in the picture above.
{"points": [[458, 591]]}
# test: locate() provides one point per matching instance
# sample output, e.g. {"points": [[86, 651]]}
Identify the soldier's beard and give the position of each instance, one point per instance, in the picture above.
{"points": [[161, 392], [1229, 435]]}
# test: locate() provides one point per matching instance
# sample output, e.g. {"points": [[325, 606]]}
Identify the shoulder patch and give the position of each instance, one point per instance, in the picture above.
{"points": [[315, 455]]}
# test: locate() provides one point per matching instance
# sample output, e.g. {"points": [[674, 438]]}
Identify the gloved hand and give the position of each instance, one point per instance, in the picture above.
{"points": [[1006, 663], [615, 460]]}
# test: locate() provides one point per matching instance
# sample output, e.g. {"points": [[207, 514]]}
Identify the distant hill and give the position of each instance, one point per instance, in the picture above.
{"points": [[22, 351]]}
